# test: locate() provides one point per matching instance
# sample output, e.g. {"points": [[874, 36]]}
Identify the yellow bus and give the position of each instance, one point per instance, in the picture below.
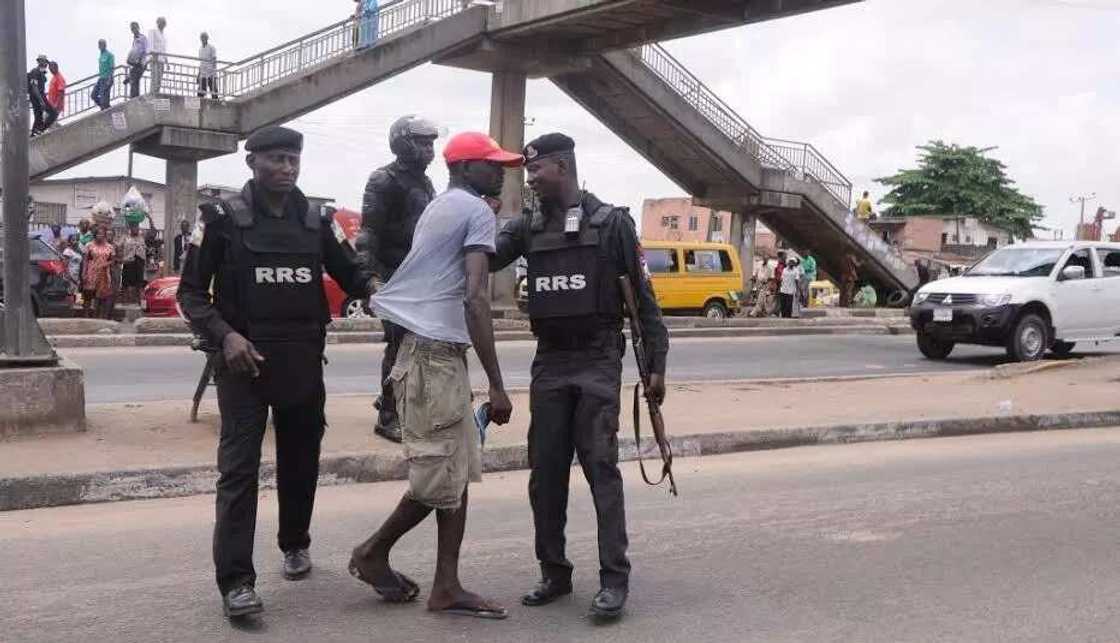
{"points": [[695, 277]]}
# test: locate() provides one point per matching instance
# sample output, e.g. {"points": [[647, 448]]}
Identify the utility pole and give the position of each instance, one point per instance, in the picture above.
{"points": [[1082, 199], [22, 340]]}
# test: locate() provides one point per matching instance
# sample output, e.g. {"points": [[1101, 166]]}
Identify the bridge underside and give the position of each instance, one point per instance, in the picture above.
{"points": [[583, 26]]}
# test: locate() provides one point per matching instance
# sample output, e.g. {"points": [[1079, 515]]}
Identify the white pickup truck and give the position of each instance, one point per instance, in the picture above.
{"points": [[1029, 298]]}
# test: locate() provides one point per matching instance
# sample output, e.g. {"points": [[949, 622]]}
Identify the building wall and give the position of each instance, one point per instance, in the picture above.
{"points": [[969, 231], [657, 225], [677, 219], [921, 233], [80, 197]]}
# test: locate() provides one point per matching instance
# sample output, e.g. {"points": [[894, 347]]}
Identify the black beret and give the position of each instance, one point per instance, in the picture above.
{"points": [[547, 145], [274, 137]]}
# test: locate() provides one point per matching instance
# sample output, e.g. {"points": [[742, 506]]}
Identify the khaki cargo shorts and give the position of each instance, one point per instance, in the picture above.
{"points": [[441, 441]]}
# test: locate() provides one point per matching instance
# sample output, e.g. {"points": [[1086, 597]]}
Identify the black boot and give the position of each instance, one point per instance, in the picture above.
{"points": [[546, 591], [609, 602], [297, 564], [391, 431], [242, 601]]}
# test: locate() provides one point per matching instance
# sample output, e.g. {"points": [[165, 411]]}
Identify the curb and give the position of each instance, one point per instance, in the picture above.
{"points": [[33, 492], [184, 339]]}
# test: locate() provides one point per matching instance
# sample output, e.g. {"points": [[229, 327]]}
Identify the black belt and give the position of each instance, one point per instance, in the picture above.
{"points": [[584, 341]]}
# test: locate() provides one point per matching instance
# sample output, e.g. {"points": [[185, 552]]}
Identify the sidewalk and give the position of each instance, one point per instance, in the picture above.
{"points": [[94, 333], [151, 450]]}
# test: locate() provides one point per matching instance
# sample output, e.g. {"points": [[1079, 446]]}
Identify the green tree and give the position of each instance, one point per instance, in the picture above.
{"points": [[951, 179]]}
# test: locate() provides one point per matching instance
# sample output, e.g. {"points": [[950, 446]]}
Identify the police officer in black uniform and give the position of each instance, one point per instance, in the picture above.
{"points": [[577, 247], [395, 197], [265, 252]]}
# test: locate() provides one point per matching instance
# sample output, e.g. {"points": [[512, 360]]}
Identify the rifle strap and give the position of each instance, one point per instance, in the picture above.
{"points": [[666, 467]]}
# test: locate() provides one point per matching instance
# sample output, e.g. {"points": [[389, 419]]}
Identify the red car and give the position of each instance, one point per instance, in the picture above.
{"points": [[158, 298]]}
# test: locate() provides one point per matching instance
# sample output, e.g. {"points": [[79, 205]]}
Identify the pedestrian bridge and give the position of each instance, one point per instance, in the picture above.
{"points": [[598, 51]]}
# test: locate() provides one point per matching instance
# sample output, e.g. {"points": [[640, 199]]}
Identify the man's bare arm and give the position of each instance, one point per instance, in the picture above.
{"points": [[480, 324]]}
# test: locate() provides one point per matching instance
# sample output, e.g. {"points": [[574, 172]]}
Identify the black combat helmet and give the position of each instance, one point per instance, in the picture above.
{"points": [[402, 135]]}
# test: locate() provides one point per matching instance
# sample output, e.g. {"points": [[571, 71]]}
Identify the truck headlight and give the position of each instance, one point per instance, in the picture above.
{"points": [[991, 301], [921, 297]]}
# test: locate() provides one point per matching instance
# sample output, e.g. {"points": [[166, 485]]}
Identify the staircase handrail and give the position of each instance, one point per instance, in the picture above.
{"points": [[795, 157], [810, 162], [709, 104]]}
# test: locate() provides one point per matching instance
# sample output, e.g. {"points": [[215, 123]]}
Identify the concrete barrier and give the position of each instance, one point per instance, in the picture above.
{"points": [[42, 400], [58, 326]]}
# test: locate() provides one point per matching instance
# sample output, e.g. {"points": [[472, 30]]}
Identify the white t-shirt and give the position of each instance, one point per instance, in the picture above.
{"points": [[209, 57], [157, 42], [765, 272], [790, 277], [427, 291]]}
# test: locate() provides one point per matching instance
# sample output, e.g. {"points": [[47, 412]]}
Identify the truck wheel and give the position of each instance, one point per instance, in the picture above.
{"points": [[934, 348], [1062, 349], [1027, 342], [715, 310]]}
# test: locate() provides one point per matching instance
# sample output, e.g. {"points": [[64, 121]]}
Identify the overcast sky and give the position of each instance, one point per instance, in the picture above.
{"points": [[864, 83]]}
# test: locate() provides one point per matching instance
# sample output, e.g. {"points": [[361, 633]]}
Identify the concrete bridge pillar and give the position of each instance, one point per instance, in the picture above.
{"points": [[743, 228], [182, 148], [181, 203], [507, 127]]}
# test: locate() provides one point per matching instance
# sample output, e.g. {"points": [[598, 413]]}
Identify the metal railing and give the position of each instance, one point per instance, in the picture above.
{"points": [[801, 159], [813, 166], [179, 74]]}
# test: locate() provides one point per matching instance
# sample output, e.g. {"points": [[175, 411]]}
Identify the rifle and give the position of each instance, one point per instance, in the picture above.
{"points": [[642, 387]]}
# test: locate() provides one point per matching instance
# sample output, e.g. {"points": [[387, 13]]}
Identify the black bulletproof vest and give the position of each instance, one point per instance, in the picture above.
{"points": [[571, 278], [278, 269], [412, 196]]}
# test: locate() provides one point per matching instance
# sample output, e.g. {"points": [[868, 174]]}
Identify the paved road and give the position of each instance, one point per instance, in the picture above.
{"points": [[145, 374], [992, 538]]}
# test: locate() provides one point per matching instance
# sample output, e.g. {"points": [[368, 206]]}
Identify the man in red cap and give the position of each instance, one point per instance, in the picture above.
{"points": [[448, 266]]}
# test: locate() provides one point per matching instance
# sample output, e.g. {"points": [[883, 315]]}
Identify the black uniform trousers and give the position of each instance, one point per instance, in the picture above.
{"points": [[574, 401], [386, 402], [299, 432], [45, 116]]}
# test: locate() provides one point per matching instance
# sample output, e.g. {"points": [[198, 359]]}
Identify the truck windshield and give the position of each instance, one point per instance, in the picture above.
{"points": [[1018, 262]]}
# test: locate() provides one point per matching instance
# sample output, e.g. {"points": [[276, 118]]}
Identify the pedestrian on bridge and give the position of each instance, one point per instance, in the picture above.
{"points": [[157, 48], [577, 249], [265, 251], [106, 63], [37, 95], [207, 67], [137, 60], [395, 197], [368, 23], [864, 208], [56, 92]]}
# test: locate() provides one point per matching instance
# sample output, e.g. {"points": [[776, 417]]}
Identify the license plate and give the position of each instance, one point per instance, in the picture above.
{"points": [[942, 314]]}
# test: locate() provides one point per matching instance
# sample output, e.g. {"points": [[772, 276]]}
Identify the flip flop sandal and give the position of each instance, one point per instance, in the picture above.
{"points": [[475, 611], [405, 592]]}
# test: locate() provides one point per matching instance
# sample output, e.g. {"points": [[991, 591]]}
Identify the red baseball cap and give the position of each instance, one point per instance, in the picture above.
{"points": [[476, 146]]}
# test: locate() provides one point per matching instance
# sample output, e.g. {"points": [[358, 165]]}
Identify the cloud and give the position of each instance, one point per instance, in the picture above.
{"points": [[865, 83]]}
